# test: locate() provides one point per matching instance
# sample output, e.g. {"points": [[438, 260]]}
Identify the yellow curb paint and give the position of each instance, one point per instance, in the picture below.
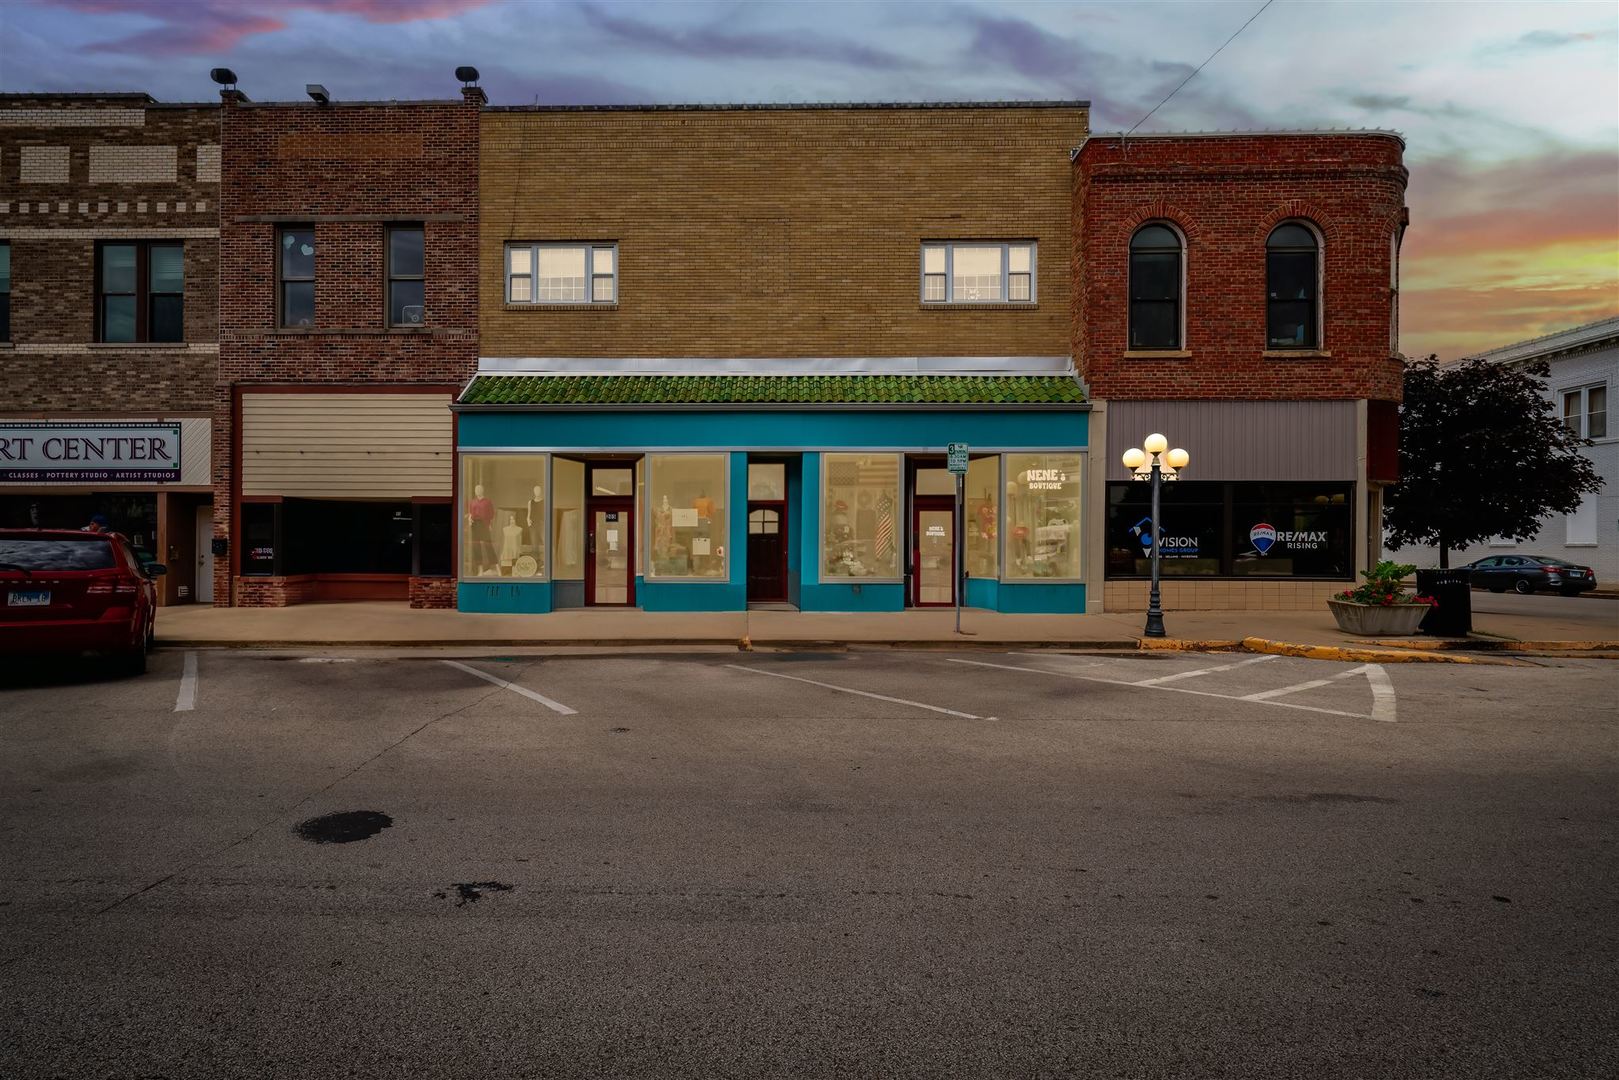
{"points": [[1376, 656]]}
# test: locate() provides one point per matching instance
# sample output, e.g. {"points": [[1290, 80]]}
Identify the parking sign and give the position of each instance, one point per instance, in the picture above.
{"points": [[956, 458]]}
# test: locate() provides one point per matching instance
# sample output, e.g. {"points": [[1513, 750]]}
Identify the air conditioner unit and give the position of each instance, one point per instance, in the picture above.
{"points": [[413, 314]]}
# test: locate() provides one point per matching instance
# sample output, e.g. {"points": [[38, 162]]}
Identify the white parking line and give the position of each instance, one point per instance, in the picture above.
{"points": [[1166, 689], [187, 698], [1206, 671], [860, 693], [554, 706], [1283, 691], [1382, 693]]}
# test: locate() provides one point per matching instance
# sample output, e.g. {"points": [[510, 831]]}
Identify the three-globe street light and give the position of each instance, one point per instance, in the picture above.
{"points": [[1155, 462]]}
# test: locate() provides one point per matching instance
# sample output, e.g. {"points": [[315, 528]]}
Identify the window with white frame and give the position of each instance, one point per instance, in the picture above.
{"points": [[978, 272], [1585, 411], [561, 273]]}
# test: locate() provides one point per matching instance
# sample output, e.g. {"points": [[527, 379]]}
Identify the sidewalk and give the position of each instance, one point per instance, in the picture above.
{"points": [[396, 625]]}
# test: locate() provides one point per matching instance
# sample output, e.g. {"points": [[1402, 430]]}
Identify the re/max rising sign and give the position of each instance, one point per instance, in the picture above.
{"points": [[88, 453]]}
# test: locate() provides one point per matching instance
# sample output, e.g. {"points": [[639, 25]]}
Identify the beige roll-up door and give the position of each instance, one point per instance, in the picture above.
{"points": [[347, 446]]}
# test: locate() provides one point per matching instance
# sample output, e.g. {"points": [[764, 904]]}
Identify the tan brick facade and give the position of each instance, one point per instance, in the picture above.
{"points": [[777, 232]]}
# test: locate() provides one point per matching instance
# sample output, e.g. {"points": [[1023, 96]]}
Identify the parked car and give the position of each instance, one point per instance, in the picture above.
{"points": [[1527, 573], [65, 593]]}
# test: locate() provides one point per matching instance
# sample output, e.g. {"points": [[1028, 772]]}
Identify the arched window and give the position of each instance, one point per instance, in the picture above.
{"points": [[1155, 288], [1292, 260]]}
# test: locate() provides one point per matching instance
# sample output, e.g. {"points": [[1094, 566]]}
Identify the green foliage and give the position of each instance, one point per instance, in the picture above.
{"points": [[1382, 586], [1482, 453]]}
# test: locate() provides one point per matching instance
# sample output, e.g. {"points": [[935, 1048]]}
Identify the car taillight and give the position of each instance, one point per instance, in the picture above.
{"points": [[126, 587], [98, 588], [115, 587]]}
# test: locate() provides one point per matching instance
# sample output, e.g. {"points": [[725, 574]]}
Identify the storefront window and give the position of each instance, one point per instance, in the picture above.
{"points": [[1192, 529], [982, 508], [258, 539], [1042, 516], [1290, 530], [688, 495], [1237, 529], [503, 515], [433, 533], [860, 516], [568, 519]]}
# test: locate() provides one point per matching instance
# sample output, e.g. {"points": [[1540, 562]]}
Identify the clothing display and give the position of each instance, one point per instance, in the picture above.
{"points": [[481, 519], [511, 541]]}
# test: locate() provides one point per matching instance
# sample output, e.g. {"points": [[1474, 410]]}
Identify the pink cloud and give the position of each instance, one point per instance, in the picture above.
{"points": [[213, 26]]}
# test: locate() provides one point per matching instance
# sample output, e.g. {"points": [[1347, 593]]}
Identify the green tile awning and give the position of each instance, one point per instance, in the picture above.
{"points": [[500, 390]]}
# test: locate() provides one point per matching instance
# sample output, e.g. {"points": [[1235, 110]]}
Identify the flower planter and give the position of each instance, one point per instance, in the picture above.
{"points": [[1374, 620]]}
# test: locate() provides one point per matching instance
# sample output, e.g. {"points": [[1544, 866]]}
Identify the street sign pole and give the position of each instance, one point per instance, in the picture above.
{"points": [[956, 462]]}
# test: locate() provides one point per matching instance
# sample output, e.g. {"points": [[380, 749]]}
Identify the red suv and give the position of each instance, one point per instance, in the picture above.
{"points": [[72, 592]]}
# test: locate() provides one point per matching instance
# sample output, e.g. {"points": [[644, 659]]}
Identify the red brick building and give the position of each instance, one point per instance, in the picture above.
{"points": [[109, 235], [348, 322], [1238, 293]]}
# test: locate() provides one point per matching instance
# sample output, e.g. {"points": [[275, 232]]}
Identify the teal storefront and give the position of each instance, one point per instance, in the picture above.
{"points": [[815, 492]]}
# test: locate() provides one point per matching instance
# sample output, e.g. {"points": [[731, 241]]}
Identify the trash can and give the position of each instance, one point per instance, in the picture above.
{"points": [[1453, 589]]}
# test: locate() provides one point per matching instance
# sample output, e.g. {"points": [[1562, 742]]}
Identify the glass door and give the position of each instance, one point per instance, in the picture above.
{"points": [[610, 553], [933, 552]]}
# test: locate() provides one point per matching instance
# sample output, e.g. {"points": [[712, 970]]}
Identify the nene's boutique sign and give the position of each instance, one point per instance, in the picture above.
{"points": [[89, 453]]}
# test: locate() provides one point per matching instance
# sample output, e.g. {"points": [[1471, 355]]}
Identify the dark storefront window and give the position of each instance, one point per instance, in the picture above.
{"points": [[323, 536], [259, 546], [132, 513], [1237, 529], [5, 291]]}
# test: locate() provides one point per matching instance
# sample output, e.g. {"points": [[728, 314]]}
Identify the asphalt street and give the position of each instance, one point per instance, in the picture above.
{"points": [[850, 864]]}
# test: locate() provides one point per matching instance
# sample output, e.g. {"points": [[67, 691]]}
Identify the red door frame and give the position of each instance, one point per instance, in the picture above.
{"points": [[624, 505], [780, 507], [919, 505]]}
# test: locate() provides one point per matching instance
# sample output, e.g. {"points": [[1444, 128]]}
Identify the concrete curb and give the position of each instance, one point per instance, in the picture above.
{"points": [[743, 644], [1373, 656], [1498, 645]]}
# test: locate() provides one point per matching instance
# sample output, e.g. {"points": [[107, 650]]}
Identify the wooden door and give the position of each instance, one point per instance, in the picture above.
{"points": [[609, 552], [933, 551], [767, 551]]}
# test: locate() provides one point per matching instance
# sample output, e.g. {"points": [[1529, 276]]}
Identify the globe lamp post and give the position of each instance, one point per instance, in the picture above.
{"points": [[1154, 462]]}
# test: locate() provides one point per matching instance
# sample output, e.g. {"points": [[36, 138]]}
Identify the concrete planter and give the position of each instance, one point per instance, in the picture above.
{"points": [[1375, 620]]}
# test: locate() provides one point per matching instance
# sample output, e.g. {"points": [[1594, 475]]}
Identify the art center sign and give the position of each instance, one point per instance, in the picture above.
{"points": [[49, 453]]}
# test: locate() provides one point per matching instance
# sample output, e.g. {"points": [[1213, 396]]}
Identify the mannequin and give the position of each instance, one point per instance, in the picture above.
{"points": [[534, 520], [480, 531], [511, 543]]}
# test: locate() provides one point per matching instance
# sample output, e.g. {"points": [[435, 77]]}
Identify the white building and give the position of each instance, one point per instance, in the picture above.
{"points": [[1584, 366]]}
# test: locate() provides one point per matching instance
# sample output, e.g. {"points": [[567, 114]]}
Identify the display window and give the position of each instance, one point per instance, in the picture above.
{"points": [[260, 539], [1235, 529], [980, 494], [1042, 516], [567, 519], [503, 516], [689, 517], [860, 516]]}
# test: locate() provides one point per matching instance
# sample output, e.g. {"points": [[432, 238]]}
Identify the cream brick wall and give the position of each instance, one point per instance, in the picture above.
{"points": [[134, 164], [44, 118], [44, 165], [208, 164], [1224, 595]]}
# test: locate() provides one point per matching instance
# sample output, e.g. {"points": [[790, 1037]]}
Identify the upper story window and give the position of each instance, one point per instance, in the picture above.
{"points": [[406, 276], [1292, 288], [975, 272], [1394, 291], [5, 291], [140, 291], [561, 273], [1155, 288], [1585, 411], [295, 276]]}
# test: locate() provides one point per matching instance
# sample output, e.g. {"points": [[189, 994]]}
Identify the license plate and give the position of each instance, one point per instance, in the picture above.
{"points": [[29, 599]]}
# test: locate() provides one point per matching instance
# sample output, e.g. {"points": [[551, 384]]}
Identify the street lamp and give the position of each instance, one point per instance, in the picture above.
{"points": [[1155, 462]]}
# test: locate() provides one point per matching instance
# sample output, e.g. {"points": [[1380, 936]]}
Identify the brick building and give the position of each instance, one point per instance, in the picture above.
{"points": [[348, 277], [1239, 294], [109, 245], [724, 349]]}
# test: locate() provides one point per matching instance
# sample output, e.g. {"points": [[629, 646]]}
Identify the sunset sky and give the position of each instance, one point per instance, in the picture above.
{"points": [[1510, 110]]}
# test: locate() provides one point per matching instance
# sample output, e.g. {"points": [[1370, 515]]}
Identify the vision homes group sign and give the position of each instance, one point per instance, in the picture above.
{"points": [[52, 453]]}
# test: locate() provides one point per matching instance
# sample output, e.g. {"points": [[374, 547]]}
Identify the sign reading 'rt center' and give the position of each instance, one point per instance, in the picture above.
{"points": [[67, 453]]}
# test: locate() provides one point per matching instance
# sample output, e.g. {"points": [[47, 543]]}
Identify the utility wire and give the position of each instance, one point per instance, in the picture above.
{"points": [[1199, 67]]}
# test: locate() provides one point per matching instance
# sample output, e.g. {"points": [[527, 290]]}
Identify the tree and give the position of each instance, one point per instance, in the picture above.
{"points": [[1482, 454]]}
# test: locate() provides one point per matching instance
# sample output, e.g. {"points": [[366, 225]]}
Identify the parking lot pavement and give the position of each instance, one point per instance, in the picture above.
{"points": [[808, 864]]}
